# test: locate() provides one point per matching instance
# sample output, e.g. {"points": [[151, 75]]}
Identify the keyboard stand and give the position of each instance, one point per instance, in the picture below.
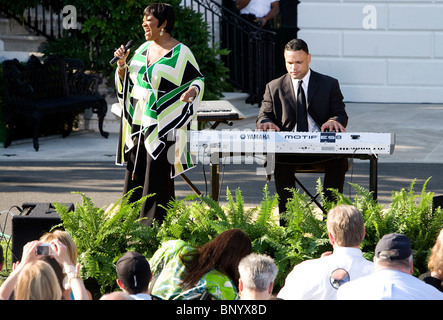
{"points": [[190, 184], [373, 172]]}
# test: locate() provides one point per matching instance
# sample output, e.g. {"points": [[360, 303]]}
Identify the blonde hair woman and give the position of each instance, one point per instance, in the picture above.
{"points": [[64, 238], [435, 264], [31, 254], [37, 281]]}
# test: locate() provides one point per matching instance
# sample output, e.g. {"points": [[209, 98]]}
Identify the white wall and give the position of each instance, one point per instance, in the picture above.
{"points": [[390, 52]]}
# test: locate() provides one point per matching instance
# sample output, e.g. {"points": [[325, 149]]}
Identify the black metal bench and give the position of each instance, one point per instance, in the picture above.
{"points": [[56, 86]]}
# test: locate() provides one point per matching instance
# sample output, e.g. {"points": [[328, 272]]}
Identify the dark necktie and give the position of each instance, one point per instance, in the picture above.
{"points": [[302, 116]]}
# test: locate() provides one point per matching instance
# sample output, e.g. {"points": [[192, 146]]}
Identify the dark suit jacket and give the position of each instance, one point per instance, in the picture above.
{"points": [[325, 102]]}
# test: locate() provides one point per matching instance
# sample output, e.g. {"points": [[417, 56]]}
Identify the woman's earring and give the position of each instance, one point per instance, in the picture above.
{"points": [[162, 32]]}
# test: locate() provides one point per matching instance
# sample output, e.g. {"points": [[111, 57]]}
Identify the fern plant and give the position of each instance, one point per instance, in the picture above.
{"points": [[414, 216], [306, 228], [103, 236]]}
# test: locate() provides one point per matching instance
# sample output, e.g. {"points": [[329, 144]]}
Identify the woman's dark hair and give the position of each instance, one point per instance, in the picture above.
{"points": [[223, 253], [297, 44], [162, 11]]}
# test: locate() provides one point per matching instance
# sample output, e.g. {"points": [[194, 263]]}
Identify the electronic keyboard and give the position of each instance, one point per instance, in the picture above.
{"points": [[234, 141]]}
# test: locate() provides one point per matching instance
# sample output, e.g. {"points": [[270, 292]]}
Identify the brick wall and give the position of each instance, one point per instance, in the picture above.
{"points": [[380, 51]]}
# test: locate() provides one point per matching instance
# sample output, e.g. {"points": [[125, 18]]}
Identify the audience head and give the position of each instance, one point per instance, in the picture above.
{"points": [[37, 281], [64, 238], [223, 253], [133, 273], [257, 275], [435, 263], [227, 249], [393, 251], [346, 226], [58, 269]]}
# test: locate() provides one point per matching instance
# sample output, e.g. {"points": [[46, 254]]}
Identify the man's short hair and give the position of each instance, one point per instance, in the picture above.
{"points": [[346, 224], [257, 271], [297, 44]]}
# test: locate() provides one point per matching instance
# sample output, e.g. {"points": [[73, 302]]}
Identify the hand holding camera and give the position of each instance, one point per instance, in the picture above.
{"points": [[45, 249], [55, 249]]}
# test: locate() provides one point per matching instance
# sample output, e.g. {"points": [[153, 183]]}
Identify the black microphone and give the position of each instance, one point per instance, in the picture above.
{"points": [[128, 45]]}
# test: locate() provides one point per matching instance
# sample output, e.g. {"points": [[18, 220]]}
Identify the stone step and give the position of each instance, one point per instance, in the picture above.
{"points": [[22, 42], [19, 55], [10, 26], [16, 40]]}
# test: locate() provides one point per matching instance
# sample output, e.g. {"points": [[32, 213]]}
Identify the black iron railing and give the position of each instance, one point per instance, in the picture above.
{"points": [[250, 62], [43, 22]]}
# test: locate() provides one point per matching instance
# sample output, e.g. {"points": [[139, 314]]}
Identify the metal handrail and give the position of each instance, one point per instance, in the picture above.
{"points": [[251, 58], [42, 22]]}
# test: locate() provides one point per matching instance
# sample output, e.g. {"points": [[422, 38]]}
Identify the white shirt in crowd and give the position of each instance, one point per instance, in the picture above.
{"points": [[311, 279], [388, 285]]}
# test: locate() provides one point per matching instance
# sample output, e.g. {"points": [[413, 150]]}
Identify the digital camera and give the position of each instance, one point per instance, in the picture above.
{"points": [[45, 249]]}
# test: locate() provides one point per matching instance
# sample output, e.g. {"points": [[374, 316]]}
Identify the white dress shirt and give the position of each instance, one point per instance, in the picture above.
{"points": [[388, 285], [312, 126], [311, 279], [259, 8]]}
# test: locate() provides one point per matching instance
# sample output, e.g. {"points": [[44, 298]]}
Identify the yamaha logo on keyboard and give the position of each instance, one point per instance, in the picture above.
{"points": [[254, 136]]}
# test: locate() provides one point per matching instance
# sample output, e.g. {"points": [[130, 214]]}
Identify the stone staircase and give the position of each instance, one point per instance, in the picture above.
{"points": [[17, 42]]}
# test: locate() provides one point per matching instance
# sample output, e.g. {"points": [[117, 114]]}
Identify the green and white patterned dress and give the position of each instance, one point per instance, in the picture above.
{"points": [[167, 270], [150, 101]]}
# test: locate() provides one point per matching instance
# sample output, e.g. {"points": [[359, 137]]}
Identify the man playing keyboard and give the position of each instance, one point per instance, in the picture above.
{"points": [[316, 106]]}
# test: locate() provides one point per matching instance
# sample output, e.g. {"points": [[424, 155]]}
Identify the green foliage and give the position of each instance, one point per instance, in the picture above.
{"points": [[106, 24], [102, 237], [199, 219], [413, 216]]}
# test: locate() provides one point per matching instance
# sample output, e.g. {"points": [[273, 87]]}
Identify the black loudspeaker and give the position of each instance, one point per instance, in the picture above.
{"points": [[35, 220], [437, 201]]}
